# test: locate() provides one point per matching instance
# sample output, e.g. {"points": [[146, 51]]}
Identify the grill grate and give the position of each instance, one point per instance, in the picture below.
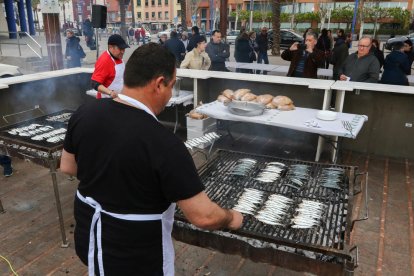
{"points": [[330, 236], [53, 121]]}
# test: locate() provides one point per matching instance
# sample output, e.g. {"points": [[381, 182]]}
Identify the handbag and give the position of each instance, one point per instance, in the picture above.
{"points": [[81, 53]]}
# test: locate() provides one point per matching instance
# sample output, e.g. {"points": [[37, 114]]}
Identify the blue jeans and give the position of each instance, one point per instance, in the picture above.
{"points": [[5, 161], [262, 56]]}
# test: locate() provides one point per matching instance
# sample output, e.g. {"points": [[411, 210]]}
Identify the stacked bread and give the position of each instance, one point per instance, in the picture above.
{"points": [[280, 102]]}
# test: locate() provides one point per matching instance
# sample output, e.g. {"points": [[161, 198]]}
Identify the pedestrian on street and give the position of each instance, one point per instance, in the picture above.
{"points": [[339, 53], [218, 52], [194, 38], [243, 51], [162, 40], [137, 35], [262, 43], [127, 194], [197, 58], [6, 163], [184, 39], [175, 46], [396, 66], [143, 35], [108, 76], [74, 51], [131, 34]]}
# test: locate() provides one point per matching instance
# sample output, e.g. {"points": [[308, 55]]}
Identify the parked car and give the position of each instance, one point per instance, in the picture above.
{"points": [[167, 32], [390, 42], [232, 36], [287, 38], [7, 70]]}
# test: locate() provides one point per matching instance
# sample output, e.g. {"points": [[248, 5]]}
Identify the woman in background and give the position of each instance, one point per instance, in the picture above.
{"points": [[197, 58]]}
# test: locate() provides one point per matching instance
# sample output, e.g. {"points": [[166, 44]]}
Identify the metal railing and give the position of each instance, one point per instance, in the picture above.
{"points": [[22, 39]]}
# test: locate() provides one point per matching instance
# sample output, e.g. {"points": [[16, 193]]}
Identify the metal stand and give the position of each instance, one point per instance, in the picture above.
{"points": [[1, 208], [52, 164]]}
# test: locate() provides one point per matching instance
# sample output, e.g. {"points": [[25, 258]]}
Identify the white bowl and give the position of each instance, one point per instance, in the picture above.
{"points": [[326, 115]]}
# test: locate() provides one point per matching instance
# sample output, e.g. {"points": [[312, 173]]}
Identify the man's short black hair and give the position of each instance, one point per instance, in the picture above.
{"points": [[148, 62], [398, 46], [195, 29], [173, 34], [214, 32]]}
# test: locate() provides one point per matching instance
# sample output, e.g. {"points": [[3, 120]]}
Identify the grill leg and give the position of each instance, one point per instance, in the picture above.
{"points": [[52, 164], [1, 208]]}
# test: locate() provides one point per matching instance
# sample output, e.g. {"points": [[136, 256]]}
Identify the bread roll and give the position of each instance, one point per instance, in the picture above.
{"points": [[196, 115], [239, 93], [286, 107], [281, 100], [223, 99], [248, 97], [228, 93], [264, 99], [270, 105]]}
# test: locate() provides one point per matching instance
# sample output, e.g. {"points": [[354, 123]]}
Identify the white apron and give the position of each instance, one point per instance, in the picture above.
{"points": [[167, 220], [118, 82]]}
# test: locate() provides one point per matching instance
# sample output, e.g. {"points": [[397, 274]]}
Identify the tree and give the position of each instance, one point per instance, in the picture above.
{"points": [[183, 5], [276, 27], [343, 14], [123, 29], [373, 12], [400, 15]]}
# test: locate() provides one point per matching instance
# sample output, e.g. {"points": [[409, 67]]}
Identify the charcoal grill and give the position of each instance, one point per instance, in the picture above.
{"points": [[46, 154], [324, 250]]}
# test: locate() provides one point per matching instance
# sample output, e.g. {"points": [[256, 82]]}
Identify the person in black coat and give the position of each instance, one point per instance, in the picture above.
{"points": [[324, 44], [409, 51], [175, 46], [195, 37], [339, 53], [263, 45], [243, 50], [396, 66], [377, 52], [74, 51]]}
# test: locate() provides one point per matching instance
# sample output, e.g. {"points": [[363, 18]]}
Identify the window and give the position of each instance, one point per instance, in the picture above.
{"points": [[153, 14], [146, 15], [139, 3], [152, 2], [159, 2], [146, 3], [203, 13], [179, 13], [178, 1], [166, 15], [166, 2], [159, 15], [139, 15]]}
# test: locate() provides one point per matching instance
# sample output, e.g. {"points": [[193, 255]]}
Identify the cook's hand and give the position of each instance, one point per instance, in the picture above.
{"points": [[236, 221], [114, 94], [294, 46], [343, 77]]}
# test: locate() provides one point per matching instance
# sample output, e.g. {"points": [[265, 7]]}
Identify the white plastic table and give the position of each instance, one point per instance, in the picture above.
{"points": [[295, 119]]}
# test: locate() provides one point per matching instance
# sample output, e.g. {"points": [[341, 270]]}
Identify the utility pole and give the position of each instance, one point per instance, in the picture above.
{"points": [[223, 17], [50, 11]]}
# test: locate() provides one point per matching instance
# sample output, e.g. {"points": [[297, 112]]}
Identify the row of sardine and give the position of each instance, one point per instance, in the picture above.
{"points": [[28, 130], [271, 172], [243, 167], [249, 201], [59, 118], [297, 175], [46, 136], [332, 178], [275, 210], [206, 138], [308, 214]]}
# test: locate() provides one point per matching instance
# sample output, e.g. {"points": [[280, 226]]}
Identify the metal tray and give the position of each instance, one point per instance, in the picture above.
{"points": [[249, 109]]}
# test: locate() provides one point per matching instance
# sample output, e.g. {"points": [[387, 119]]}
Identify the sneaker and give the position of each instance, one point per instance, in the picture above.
{"points": [[8, 171]]}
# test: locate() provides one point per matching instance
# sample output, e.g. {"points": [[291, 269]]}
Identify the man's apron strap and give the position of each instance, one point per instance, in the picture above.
{"points": [[96, 222]]}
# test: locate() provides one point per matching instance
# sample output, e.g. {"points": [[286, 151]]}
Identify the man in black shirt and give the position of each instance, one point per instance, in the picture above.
{"points": [[132, 171]]}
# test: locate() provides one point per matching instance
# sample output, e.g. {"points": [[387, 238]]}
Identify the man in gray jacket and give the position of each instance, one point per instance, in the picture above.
{"points": [[218, 52], [361, 66]]}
